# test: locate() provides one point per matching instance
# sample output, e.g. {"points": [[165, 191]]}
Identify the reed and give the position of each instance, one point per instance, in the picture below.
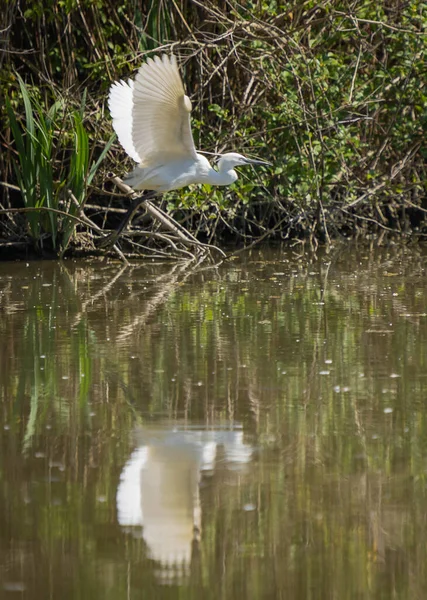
{"points": [[53, 165]]}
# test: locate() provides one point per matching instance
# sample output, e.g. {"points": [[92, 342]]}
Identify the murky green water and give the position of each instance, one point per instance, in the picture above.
{"points": [[253, 431]]}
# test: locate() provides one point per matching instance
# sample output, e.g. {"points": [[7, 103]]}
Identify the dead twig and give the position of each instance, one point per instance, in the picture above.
{"points": [[186, 238]]}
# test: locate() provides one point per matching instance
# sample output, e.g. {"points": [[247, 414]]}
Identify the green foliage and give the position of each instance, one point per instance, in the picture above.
{"points": [[336, 105], [34, 148], [331, 93], [53, 167]]}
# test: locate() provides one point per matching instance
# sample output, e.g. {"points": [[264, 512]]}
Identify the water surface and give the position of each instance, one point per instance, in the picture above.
{"points": [[256, 430]]}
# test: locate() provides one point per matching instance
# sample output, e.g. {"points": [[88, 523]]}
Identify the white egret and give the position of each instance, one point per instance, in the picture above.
{"points": [[151, 117]]}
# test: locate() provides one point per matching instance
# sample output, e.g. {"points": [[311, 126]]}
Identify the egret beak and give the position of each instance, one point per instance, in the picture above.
{"points": [[253, 161]]}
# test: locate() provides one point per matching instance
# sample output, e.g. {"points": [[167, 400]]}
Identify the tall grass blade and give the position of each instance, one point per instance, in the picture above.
{"points": [[77, 175], [101, 157], [45, 136], [27, 147]]}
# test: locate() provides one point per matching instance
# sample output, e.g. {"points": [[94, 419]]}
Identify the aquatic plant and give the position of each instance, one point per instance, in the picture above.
{"points": [[52, 164]]}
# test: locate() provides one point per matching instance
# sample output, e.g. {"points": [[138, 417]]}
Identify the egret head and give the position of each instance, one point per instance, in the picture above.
{"points": [[233, 159]]}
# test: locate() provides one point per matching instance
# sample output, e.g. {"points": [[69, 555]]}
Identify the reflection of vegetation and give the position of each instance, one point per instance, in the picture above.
{"points": [[322, 363]]}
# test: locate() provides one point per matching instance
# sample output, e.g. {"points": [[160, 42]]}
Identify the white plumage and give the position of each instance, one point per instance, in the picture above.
{"points": [[120, 103], [151, 117]]}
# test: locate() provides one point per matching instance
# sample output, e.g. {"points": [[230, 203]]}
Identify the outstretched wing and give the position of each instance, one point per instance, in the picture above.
{"points": [[152, 116]]}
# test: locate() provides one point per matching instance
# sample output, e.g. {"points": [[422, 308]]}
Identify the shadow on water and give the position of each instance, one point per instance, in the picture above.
{"points": [[257, 430]]}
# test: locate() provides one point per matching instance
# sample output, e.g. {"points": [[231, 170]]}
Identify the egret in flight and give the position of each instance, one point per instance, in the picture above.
{"points": [[151, 117]]}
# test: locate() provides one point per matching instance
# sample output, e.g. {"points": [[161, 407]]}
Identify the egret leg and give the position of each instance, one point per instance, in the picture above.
{"points": [[135, 203]]}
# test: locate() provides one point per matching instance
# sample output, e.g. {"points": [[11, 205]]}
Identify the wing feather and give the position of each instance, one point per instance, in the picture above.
{"points": [[120, 103], [156, 124], [161, 112]]}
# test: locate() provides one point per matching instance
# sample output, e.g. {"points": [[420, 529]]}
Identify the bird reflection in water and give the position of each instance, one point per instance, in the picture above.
{"points": [[158, 493]]}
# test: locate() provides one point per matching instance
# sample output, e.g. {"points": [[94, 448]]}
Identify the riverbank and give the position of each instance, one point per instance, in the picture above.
{"points": [[329, 94]]}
